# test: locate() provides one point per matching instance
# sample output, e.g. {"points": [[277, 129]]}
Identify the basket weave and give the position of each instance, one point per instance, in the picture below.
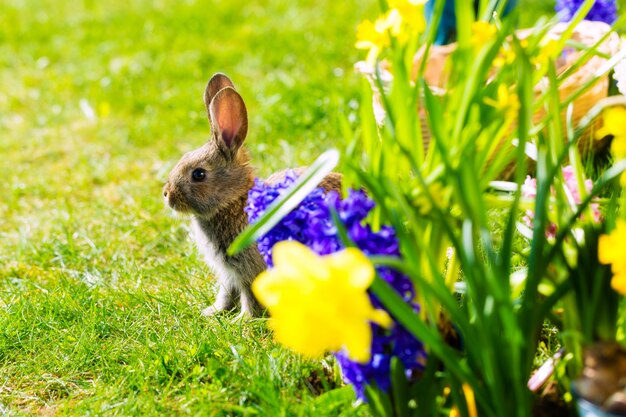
{"points": [[587, 32]]}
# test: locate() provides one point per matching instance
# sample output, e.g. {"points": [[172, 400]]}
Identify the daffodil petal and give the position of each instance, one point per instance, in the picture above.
{"points": [[359, 269], [610, 246], [618, 283], [606, 249], [358, 342], [297, 259], [381, 318], [289, 251], [270, 287]]}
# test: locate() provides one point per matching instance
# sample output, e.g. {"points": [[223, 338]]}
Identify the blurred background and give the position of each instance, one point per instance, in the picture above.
{"points": [[122, 75]]}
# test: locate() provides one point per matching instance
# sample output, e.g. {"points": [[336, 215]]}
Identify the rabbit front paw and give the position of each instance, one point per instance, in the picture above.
{"points": [[224, 301], [211, 311]]}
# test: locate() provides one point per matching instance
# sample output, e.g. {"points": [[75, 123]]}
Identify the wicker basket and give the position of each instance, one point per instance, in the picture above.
{"points": [[588, 33]]}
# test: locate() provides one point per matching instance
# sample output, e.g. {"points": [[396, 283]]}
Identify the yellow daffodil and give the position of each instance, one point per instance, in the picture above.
{"points": [[482, 33], [470, 401], [375, 36], [506, 56], [320, 303], [412, 13], [367, 37], [612, 250], [506, 101], [439, 193], [614, 124], [403, 4], [392, 22], [548, 51], [405, 18]]}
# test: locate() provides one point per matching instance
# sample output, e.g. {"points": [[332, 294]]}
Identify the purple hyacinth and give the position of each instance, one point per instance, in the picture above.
{"points": [[311, 223], [601, 11]]}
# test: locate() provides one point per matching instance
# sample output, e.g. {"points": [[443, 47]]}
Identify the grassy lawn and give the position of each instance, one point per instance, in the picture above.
{"points": [[100, 286]]}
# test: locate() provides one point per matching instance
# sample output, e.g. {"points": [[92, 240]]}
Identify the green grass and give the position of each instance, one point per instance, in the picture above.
{"points": [[100, 287]]}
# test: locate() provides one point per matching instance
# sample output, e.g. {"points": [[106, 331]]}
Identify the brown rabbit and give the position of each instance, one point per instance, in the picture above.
{"points": [[211, 184]]}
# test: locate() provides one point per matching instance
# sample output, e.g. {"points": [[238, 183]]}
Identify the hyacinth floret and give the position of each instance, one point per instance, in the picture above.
{"points": [[602, 10]]}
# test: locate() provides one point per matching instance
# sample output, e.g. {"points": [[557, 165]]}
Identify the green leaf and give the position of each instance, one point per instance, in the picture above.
{"points": [[399, 387], [341, 229], [379, 401], [336, 399], [307, 182]]}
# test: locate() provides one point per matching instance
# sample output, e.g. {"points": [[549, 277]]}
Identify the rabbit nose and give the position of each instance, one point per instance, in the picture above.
{"points": [[166, 190]]}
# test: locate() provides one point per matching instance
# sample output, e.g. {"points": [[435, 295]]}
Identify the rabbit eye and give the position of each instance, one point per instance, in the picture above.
{"points": [[198, 174]]}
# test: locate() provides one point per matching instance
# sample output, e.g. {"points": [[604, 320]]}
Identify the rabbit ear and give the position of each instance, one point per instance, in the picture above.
{"points": [[215, 84], [229, 119]]}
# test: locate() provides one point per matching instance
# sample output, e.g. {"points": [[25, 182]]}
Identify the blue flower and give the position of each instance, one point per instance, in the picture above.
{"points": [[311, 223], [602, 10]]}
